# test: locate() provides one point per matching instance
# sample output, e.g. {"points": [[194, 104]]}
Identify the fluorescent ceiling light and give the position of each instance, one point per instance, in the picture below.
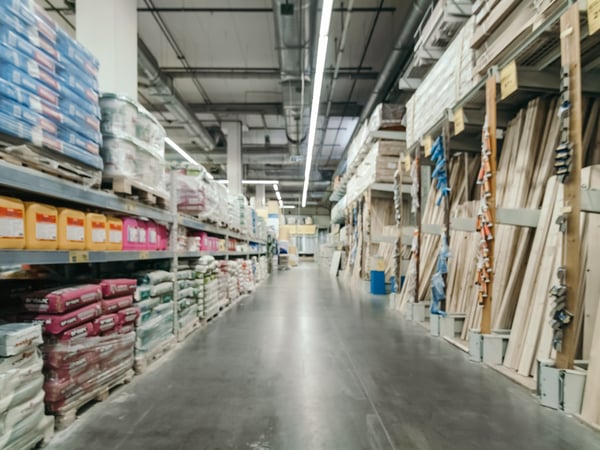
{"points": [[316, 97], [275, 187], [209, 175], [181, 151], [260, 182], [278, 195], [288, 207], [223, 181]]}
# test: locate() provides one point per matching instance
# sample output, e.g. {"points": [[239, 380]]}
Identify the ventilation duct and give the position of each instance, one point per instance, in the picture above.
{"points": [[159, 91], [294, 41]]}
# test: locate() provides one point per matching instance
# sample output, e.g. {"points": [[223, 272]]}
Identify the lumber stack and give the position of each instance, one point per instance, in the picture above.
{"points": [[531, 335], [501, 25], [461, 167]]}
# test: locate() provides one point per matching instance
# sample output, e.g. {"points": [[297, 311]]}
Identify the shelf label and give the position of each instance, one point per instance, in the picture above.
{"points": [[130, 205], [593, 13], [509, 82], [144, 255], [459, 121], [79, 256], [427, 144]]}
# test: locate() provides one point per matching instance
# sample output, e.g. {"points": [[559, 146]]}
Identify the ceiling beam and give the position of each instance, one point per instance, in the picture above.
{"points": [[274, 73]]}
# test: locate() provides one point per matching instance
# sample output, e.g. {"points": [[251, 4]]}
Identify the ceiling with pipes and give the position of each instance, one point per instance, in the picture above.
{"points": [[203, 63]]}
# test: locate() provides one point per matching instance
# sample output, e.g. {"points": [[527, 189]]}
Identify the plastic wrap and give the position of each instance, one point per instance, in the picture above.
{"points": [[74, 370], [21, 393], [119, 115], [62, 300], [17, 371], [16, 338], [154, 331], [386, 115]]}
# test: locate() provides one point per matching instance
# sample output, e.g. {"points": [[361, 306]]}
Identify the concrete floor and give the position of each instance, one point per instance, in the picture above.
{"points": [[307, 364]]}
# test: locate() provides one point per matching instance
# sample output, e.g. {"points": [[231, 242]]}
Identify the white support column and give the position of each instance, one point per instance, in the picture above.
{"points": [[233, 131], [260, 196], [108, 29]]}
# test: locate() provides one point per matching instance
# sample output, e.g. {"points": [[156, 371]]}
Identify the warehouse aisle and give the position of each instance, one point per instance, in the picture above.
{"points": [[306, 364]]}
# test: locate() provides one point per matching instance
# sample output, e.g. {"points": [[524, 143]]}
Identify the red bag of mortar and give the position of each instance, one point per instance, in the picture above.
{"points": [[58, 390], [106, 323], [79, 332], [56, 324], [58, 301], [126, 328], [118, 287], [84, 363], [128, 315], [115, 304]]}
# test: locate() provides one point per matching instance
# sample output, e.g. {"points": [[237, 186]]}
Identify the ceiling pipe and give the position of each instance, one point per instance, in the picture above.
{"points": [[393, 66], [159, 91], [294, 33]]}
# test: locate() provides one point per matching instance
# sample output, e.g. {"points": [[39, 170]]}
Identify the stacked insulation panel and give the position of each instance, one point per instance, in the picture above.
{"points": [[187, 304], [22, 420], [48, 85], [153, 297]]}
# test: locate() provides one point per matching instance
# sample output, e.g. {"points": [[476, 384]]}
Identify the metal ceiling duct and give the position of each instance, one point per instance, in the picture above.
{"points": [[294, 25], [159, 91]]}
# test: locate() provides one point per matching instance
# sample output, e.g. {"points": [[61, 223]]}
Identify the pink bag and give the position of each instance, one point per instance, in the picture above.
{"points": [[62, 300], [115, 304], [119, 287], [128, 315], [56, 324], [106, 323]]}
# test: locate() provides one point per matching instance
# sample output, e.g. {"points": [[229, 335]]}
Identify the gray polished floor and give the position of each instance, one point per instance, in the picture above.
{"points": [[307, 364]]}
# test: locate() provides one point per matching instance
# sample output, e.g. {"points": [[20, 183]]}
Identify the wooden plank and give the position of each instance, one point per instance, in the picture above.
{"points": [[490, 107], [571, 57]]}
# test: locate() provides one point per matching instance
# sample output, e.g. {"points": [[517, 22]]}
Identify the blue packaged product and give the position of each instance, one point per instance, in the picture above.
{"points": [[87, 103], [75, 86], [72, 50], [12, 126], [22, 112], [88, 133], [14, 20], [18, 77], [32, 68], [21, 8], [46, 26], [84, 157], [11, 39], [71, 74], [32, 101], [81, 117], [75, 139]]}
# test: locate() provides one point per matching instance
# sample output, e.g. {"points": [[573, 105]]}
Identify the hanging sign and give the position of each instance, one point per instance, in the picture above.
{"points": [[427, 144], [459, 121], [508, 80]]}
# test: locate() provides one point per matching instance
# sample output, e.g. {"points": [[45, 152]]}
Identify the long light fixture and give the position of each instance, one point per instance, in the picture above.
{"points": [[275, 187], [278, 195], [288, 207], [260, 182], [181, 151], [316, 96]]}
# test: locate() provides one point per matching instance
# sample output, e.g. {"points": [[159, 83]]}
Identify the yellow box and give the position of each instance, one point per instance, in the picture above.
{"points": [[12, 223], [71, 229], [114, 233], [95, 232], [41, 230]]}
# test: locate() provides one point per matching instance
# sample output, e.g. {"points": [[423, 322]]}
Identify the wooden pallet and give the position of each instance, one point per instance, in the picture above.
{"points": [[185, 332], [40, 160], [67, 416], [133, 188], [143, 362]]}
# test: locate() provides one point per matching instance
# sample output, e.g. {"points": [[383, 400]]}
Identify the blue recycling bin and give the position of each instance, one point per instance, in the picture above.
{"points": [[377, 282]]}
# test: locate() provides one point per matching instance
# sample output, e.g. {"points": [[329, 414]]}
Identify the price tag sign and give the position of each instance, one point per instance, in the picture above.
{"points": [[130, 206], [427, 144], [144, 255], [79, 257], [593, 13], [459, 121], [407, 163], [509, 82]]}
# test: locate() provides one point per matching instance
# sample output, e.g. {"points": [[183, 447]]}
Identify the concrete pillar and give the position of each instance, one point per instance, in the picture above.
{"points": [[233, 131], [260, 196], [108, 28]]}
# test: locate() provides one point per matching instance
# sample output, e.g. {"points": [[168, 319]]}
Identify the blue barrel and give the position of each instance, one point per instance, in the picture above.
{"points": [[377, 282]]}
